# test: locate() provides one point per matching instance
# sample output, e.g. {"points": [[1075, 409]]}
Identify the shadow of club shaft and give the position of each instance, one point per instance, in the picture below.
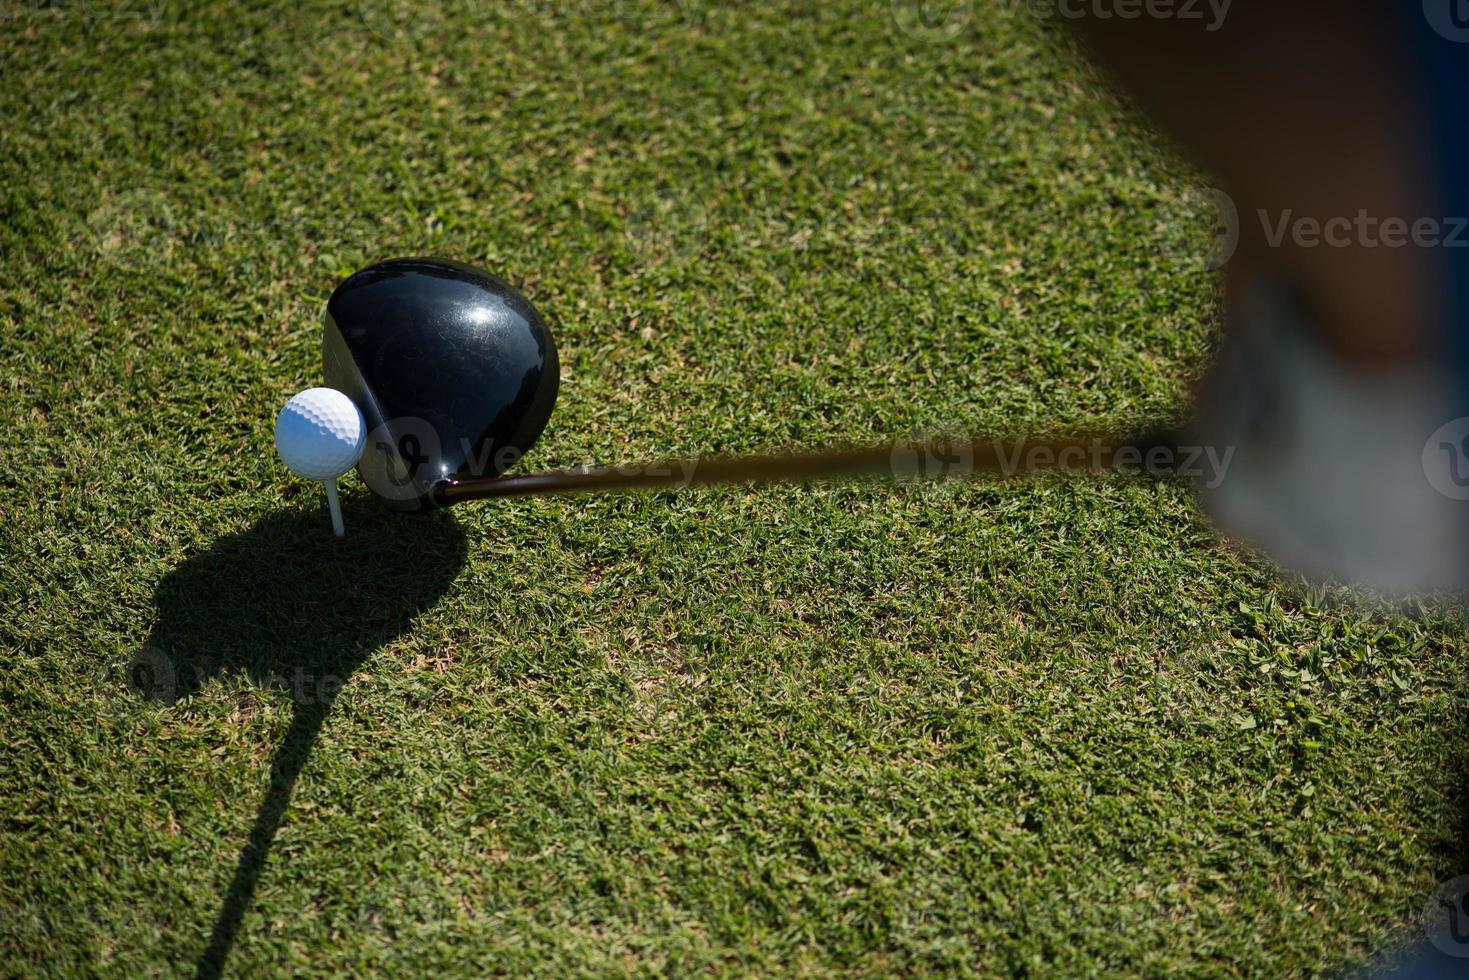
{"points": [[289, 760]]}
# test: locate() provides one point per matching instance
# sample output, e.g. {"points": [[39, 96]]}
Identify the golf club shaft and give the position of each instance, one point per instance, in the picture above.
{"points": [[941, 459]]}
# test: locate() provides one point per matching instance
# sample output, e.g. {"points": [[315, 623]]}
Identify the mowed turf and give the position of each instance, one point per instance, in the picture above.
{"points": [[1033, 728]]}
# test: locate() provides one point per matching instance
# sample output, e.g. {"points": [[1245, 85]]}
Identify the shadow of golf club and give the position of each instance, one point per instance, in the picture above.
{"points": [[287, 605]]}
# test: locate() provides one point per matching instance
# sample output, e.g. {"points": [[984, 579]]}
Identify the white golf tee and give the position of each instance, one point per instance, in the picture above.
{"points": [[335, 504]]}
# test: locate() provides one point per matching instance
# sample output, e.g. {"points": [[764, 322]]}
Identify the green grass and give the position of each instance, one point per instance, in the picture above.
{"points": [[1035, 728]]}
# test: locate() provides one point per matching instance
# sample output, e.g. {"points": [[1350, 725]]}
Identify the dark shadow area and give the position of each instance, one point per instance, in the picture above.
{"points": [[289, 606]]}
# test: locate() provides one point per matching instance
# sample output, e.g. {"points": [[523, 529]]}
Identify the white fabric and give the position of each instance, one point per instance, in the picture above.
{"points": [[1334, 468]]}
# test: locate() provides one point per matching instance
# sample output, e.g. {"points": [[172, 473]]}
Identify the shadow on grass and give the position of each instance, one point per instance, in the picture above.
{"points": [[288, 605]]}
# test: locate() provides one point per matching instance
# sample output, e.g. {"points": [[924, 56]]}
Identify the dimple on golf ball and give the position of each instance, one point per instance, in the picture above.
{"points": [[320, 434]]}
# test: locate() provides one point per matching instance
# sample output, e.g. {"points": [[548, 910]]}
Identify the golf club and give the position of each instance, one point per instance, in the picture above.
{"points": [[455, 374], [925, 459], [454, 371]]}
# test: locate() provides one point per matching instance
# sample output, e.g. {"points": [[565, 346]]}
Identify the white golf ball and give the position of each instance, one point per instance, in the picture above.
{"points": [[320, 434]]}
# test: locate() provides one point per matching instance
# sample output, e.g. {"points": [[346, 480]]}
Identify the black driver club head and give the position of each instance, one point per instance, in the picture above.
{"points": [[454, 371]]}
